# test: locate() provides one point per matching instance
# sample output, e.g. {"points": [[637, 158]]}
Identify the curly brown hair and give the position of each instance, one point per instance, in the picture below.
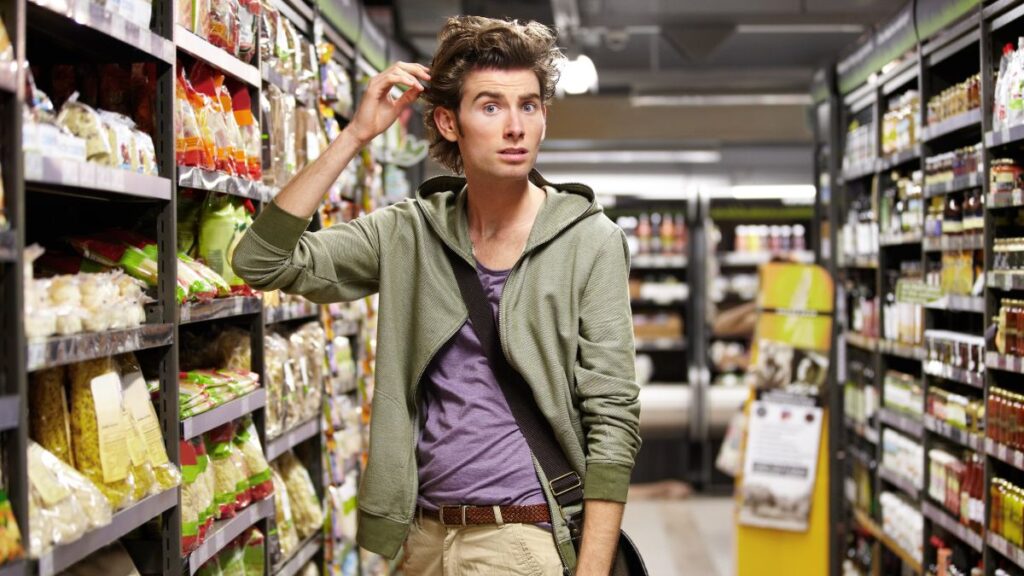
{"points": [[468, 43]]}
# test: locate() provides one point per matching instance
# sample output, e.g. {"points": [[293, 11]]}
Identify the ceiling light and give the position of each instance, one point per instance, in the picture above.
{"points": [[799, 29], [630, 157], [721, 100], [780, 192], [578, 75]]}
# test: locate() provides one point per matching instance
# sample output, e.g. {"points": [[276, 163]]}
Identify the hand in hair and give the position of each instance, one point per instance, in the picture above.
{"points": [[379, 109]]}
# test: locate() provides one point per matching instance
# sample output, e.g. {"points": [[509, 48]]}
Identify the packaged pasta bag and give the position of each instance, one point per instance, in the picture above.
{"points": [[147, 153], [83, 121], [255, 552], [49, 422], [287, 538], [211, 132], [234, 134], [232, 558], [234, 349], [247, 441], [249, 132], [307, 510], [224, 25], [99, 430], [10, 536], [275, 351], [231, 488], [207, 490], [192, 501], [221, 227], [216, 281], [125, 154], [211, 568], [189, 145], [58, 512], [193, 286], [142, 416]]}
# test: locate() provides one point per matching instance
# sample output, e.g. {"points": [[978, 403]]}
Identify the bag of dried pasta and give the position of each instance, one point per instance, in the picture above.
{"points": [[142, 416], [99, 430], [287, 538], [10, 535], [275, 351], [192, 501], [255, 552], [307, 510], [247, 441], [231, 492], [49, 422], [210, 568], [232, 558], [206, 486]]}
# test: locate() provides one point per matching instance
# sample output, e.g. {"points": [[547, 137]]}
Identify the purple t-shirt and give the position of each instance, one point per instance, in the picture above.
{"points": [[470, 449]]}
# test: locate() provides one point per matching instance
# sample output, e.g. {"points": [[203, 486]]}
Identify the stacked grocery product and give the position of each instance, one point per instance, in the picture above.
{"points": [[1005, 509], [215, 368], [861, 397], [1007, 109], [298, 510], [860, 145], [295, 368], [956, 351], [865, 319], [957, 482], [1005, 176], [774, 239], [947, 166], [903, 457], [96, 453], [859, 235], [955, 100], [210, 226], [652, 326], [903, 392], [900, 130], [902, 521], [1004, 410], [956, 410], [243, 556], [900, 206], [657, 233], [903, 321]]}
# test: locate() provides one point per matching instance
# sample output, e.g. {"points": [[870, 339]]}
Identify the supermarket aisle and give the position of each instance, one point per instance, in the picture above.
{"points": [[692, 537]]}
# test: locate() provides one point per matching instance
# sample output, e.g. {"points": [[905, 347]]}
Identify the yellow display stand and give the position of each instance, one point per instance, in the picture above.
{"points": [[789, 289]]}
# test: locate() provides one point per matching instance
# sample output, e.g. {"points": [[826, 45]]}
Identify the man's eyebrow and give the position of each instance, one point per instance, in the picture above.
{"points": [[497, 96]]}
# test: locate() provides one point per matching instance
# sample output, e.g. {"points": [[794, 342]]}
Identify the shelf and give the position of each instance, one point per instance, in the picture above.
{"points": [[213, 181], [864, 431], [860, 170], [997, 200], [866, 459], [969, 119], [224, 531], [227, 412], [661, 345], [60, 350], [861, 262], [966, 439], [292, 438], [300, 558], [290, 312], [668, 303], [899, 239], [8, 248], [63, 556], [227, 63], [959, 303], [954, 243], [901, 422], [10, 412], [43, 171], [957, 184], [1009, 17], [219, 308], [1005, 363], [83, 13], [904, 485], [1005, 280], [1004, 453], [9, 77], [862, 342], [658, 261], [1010, 551], [972, 379], [906, 557], [909, 351], [899, 158], [287, 85], [867, 524], [942, 518], [758, 258], [1004, 136]]}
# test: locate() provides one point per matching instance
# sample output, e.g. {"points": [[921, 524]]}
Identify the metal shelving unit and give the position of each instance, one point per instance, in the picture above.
{"points": [[224, 531], [61, 350], [227, 412]]}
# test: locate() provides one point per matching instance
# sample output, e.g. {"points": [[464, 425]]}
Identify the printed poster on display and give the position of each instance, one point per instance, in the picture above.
{"points": [[788, 373]]}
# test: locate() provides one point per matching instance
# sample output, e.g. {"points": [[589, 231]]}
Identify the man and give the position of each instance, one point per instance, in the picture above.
{"points": [[555, 271]]}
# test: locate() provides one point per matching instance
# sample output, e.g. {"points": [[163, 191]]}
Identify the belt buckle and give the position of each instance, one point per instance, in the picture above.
{"points": [[577, 483], [462, 512]]}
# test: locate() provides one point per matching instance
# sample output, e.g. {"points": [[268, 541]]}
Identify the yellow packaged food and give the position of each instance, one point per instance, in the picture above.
{"points": [[288, 539], [99, 431], [83, 121], [146, 442], [307, 511], [49, 423], [65, 503]]}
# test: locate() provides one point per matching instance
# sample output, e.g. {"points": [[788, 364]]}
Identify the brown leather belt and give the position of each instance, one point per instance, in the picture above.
{"points": [[481, 515]]}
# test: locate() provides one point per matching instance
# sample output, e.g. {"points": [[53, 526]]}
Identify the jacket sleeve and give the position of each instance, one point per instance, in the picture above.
{"points": [[340, 263], [605, 374]]}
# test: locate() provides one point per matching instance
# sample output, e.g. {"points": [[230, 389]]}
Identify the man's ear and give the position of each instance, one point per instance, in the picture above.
{"points": [[544, 129], [446, 123]]}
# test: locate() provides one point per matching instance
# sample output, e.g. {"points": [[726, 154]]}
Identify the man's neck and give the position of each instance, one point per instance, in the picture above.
{"points": [[496, 208]]}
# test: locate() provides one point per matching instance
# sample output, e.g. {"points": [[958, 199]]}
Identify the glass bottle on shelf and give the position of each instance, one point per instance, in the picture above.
{"points": [[655, 241], [668, 233], [799, 244], [681, 234], [643, 234], [952, 217]]}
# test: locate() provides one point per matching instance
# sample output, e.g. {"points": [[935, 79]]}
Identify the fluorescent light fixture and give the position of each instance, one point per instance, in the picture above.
{"points": [[721, 100], [774, 192], [799, 29], [630, 157], [578, 76], [639, 185]]}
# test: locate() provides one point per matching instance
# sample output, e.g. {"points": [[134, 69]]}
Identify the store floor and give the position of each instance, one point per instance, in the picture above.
{"points": [[693, 537]]}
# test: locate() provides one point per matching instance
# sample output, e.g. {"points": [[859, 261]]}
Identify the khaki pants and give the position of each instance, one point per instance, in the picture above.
{"points": [[433, 549]]}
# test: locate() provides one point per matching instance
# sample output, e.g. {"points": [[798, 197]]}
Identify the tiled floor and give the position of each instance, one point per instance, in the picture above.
{"points": [[694, 537]]}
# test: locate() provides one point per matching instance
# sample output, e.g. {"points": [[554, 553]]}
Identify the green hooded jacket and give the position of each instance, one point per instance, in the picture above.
{"points": [[565, 325]]}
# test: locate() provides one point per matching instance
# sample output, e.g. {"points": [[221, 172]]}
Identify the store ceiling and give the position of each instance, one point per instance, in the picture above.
{"points": [[677, 46]]}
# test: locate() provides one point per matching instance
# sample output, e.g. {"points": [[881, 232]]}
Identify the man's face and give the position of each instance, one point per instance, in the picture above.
{"points": [[500, 125]]}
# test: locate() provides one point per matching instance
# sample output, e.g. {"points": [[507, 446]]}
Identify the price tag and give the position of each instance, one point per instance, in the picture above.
{"points": [[68, 172], [33, 167], [145, 40], [87, 175], [117, 180]]}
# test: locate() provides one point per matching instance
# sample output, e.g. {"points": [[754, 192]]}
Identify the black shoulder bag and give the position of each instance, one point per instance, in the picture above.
{"points": [[563, 481]]}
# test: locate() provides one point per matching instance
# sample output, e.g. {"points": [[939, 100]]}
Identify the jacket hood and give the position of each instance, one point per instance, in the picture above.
{"points": [[443, 201]]}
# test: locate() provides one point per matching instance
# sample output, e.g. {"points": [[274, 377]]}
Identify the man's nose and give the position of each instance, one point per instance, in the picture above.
{"points": [[514, 127]]}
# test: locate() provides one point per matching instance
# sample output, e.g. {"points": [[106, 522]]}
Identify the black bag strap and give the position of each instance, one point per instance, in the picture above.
{"points": [[564, 482]]}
